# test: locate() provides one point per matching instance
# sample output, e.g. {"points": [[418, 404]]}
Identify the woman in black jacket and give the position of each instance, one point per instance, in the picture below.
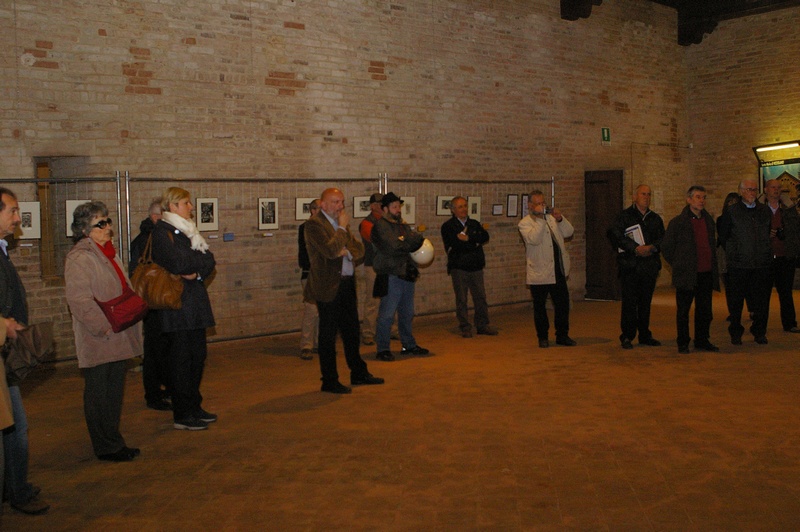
{"points": [[181, 250]]}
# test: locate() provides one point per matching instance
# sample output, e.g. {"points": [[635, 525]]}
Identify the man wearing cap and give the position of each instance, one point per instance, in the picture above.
{"points": [[463, 240], [394, 240], [334, 253], [370, 313]]}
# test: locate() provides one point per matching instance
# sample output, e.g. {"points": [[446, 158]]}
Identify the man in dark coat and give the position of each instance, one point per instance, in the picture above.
{"points": [[309, 327], [463, 240], [784, 237], [744, 233], [689, 246], [639, 263], [334, 253], [155, 371]]}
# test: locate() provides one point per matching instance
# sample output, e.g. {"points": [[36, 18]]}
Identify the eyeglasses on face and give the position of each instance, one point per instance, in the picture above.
{"points": [[102, 223], [750, 189]]}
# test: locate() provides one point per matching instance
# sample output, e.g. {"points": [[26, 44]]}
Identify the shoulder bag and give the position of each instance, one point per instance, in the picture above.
{"points": [[160, 288]]}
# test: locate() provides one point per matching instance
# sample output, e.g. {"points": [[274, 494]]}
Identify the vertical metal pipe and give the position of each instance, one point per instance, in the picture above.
{"points": [[128, 215]]}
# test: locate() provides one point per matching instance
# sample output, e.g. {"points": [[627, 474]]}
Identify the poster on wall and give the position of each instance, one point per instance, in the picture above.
{"points": [[31, 225], [788, 174], [267, 213], [208, 217]]}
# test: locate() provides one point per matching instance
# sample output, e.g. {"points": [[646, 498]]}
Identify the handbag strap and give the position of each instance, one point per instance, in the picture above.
{"points": [[147, 253]]}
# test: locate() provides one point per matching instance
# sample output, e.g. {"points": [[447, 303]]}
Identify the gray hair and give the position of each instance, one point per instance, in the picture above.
{"points": [[83, 216], [155, 206]]}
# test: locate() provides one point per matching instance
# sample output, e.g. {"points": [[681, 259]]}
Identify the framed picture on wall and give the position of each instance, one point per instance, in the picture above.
{"points": [[524, 204], [361, 206], [443, 205], [31, 225], [268, 213], [497, 209], [474, 207], [301, 210], [207, 214], [512, 206], [409, 209], [788, 175], [70, 206]]}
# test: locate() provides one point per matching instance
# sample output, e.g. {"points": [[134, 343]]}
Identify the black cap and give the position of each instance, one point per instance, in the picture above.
{"points": [[390, 198], [376, 198]]}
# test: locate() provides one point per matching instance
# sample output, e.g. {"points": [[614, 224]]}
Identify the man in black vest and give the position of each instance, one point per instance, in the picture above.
{"points": [[22, 495], [463, 240]]}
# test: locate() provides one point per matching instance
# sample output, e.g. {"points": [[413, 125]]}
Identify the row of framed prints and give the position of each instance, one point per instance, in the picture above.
{"points": [[207, 212]]}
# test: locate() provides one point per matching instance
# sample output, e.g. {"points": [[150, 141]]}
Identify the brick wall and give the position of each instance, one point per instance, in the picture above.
{"points": [[307, 94]]}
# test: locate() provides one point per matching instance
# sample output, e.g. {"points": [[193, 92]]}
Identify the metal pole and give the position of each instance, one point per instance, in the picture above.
{"points": [[128, 216], [119, 210]]}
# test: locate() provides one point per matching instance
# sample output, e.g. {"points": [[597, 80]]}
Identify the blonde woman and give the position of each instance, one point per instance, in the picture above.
{"points": [[180, 248]]}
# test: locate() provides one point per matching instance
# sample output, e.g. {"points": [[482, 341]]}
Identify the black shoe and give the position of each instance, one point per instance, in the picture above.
{"points": [[544, 344], [683, 349], [366, 378], [123, 455], [190, 423], [160, 404], [566, 340], [305, 354], [488, 331], [386, 356], [736, 340], [706, 346], [466, 333], [761, 340], [34, 506], [336, 387], [649, 341], [626, 344], [416, 350], [202, 415]]}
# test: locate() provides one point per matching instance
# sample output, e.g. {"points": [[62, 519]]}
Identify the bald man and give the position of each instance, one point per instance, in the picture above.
{"points": [[333, 254]]}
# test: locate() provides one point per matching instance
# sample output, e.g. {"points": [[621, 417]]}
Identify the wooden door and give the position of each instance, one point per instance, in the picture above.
{"points": [[603, 193]]}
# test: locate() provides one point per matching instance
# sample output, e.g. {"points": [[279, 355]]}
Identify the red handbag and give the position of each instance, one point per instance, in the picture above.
{"points": [[123, 311]]}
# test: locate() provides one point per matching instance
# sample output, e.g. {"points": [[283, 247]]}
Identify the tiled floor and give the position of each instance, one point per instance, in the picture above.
{"points": [[484, 434]]}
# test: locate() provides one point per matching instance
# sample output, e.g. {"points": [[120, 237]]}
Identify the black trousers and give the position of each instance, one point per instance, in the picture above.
{"points": [[340, 315], [701, 295], [560, 295], [104, 386], [155, 368], [637, 295], [753, 284], [783, 281], [186, 362]]}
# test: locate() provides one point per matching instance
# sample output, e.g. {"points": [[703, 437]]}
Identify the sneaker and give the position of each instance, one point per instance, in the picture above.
{"points": [[190, 423], [416, 350], [386, 356], [202, 415], [159, 404]]}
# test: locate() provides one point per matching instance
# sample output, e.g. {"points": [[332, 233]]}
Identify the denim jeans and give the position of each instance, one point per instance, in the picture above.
{"points": [[15, 444], [400, 300]]}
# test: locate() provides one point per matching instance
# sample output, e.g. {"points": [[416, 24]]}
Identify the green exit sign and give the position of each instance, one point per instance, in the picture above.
{"points": [[606, 134]]}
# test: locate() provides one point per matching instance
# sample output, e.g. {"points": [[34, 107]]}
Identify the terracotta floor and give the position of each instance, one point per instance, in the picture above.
{"points": [[484, 434]]}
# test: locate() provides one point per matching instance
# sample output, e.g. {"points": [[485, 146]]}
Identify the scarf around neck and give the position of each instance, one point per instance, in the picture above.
{"points": [[188, 228]]}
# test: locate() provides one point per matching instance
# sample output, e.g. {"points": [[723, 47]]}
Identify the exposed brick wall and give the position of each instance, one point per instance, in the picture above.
{"points": [[310, 94]]}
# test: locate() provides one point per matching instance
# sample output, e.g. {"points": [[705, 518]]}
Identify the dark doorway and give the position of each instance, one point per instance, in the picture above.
{"points": [[603, 193]]}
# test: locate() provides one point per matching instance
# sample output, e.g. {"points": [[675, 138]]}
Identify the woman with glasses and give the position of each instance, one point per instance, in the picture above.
{"points": [[179, 248], [94, 272]]}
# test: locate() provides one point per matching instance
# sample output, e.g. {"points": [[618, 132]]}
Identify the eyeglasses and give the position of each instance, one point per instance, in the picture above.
{"points": [[750, 189], [102, 223]]}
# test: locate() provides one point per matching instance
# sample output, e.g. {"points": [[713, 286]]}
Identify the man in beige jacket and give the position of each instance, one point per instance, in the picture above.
{"points": [[543, 232]]}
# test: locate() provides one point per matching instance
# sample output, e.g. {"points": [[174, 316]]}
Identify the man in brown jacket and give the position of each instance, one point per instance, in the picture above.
{"points": [[334, 253]]}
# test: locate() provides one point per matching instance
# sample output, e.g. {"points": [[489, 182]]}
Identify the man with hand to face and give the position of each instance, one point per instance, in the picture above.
{"points": [[689, 246], [334, 253], [547, 267]]}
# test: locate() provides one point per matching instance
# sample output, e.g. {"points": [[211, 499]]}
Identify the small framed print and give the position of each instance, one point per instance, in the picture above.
{"points": [[301, 209], [443, 205], [361, 206], [512, 206], [31, 225], [268, 213], [524, 206], [497, 209], [409, 210], [71, 205], [207, 214], [474, 208]]}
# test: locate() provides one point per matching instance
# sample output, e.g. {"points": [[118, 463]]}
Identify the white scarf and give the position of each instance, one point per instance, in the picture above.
{"points": [[188, 228]]}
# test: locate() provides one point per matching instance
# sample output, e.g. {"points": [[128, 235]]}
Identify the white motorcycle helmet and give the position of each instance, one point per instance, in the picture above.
{"points": [[423, 257]]}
